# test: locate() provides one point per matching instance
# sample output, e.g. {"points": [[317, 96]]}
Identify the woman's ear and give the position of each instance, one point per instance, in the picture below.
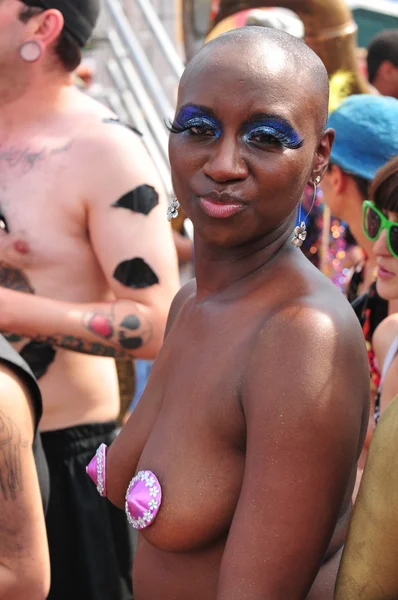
{"points": [[322, 154], [337, 179]]}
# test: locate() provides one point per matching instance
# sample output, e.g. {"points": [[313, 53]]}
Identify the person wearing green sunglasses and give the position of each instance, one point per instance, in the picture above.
{"points": [[368, 568], [366, 139], [374, 222], [380, 225]]}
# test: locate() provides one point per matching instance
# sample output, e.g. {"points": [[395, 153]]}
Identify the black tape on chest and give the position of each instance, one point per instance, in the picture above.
{"points": [[135, 273], [39, 357], [141, 200]]}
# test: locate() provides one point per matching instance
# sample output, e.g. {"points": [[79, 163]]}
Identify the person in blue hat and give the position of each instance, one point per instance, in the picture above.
{"points": [[366, 139]]}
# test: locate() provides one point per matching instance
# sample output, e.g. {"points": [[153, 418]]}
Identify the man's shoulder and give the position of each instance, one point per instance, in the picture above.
{"points": [[101, 134], [107, 152], [98, 128]]}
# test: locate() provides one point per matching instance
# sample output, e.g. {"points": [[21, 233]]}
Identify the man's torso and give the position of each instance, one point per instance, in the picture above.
{"points": [[45, 250]]}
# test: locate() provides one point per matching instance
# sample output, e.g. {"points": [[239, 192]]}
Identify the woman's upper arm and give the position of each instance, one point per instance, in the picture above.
{"points": [[304, 429], [23, 541]]}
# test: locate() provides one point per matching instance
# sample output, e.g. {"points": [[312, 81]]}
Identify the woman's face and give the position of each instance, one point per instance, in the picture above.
{"points": [[387, 265], [246, 142]]}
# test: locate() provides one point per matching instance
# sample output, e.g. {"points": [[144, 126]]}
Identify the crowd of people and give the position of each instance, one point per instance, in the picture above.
{"points": [[271, 406]]}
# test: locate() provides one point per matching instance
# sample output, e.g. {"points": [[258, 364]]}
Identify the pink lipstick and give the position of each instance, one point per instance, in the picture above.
{"points": [[220, 207]]}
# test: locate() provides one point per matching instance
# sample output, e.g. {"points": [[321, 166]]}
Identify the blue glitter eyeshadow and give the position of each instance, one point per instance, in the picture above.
{"points": [[194, 116], [276, 128]]}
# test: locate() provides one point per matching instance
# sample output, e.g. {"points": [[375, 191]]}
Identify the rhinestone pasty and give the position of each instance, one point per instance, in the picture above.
{"points": [[96, 469], [143, 499]]}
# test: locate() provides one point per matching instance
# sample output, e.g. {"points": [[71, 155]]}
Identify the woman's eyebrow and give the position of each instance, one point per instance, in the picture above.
{"points": [[267, 117], [193, 110]]}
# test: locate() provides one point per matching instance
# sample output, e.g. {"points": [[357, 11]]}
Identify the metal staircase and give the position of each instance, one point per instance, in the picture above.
{"points": [[137, 89]]}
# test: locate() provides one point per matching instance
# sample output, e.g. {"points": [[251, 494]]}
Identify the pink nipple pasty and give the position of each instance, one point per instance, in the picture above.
{"points": [[96, 469], [143, 499]]}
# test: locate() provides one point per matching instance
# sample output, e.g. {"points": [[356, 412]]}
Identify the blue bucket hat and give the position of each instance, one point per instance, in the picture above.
{"points": [[366, 134]]}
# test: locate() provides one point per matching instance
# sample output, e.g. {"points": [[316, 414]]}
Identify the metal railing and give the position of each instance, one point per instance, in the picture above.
{"points": [[140, 93]]}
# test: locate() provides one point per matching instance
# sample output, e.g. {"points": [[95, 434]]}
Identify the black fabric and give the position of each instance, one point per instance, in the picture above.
{"points": [[80, 16], [19, 366], [123, 124], [39, 357], [355, 281], [91, 543], [370, 306]]}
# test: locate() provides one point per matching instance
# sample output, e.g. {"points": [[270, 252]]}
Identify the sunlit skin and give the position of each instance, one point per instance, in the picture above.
{"points": [[238, 398]]}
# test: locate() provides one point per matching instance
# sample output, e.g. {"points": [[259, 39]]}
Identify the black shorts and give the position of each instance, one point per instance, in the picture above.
{"points": [[91, 544]]}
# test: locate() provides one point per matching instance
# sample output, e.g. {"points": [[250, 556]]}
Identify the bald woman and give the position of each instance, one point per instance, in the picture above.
{"points": [[240, 460]]}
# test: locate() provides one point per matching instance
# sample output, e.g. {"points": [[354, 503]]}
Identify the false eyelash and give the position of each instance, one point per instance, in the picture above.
{"points": [[175, 127], [282, 139], [285, 141], [294, 145]]}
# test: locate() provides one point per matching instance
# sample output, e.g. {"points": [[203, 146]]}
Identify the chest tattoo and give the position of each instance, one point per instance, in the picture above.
{"points": [[14, 279], [27, 157]]}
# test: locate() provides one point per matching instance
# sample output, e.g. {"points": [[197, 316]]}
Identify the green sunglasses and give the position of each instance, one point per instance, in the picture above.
{"points": [[373, 224]]}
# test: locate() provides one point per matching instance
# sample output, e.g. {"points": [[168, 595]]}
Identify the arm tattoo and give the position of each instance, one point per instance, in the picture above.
{"points": [[14, 279], [118, 340], [131, 333], [11, 481], [70, 342]]}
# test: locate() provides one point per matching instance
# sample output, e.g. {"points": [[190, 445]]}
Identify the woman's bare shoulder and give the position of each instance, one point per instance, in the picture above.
{"points": [[384, 336], [186, 292], [388, 328]]}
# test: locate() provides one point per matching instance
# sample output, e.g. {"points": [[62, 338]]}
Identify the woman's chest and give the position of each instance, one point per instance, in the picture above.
{"points": [[196, 449]]}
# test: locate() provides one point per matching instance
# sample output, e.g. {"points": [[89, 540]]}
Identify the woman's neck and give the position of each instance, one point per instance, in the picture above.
{"points": [[218, 268]]}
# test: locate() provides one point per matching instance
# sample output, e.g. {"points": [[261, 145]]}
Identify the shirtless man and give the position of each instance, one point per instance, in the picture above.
{"points": [[88, 257], [255, 413]]}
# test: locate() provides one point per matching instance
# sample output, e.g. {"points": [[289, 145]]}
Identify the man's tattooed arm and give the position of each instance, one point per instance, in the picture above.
{"points": [[121, 329], [118, 336], [11, 482], [129, 334]]}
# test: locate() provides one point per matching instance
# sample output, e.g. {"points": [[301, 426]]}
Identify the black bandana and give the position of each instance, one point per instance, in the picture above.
{"points": [[80, 16]]}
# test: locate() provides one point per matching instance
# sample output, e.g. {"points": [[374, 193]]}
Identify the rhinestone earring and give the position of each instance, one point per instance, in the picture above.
{"points": [[172, 211], [300, 232]]}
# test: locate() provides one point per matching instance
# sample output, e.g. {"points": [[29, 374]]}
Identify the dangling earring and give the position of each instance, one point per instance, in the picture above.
{"points": [[300, 232], [30, 51], [172, 211]]}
